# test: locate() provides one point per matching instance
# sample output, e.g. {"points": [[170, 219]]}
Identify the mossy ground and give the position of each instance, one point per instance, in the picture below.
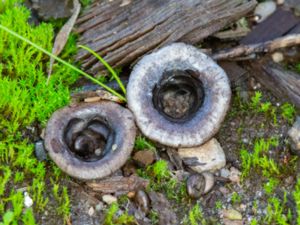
{"points": [[255, 144], [26, 103]]}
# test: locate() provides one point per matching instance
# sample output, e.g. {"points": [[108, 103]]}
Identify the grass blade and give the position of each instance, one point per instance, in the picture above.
{"points": [[63, 62], [108, 67]]}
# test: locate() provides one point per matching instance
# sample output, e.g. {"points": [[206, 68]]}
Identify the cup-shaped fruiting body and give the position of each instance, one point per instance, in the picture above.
{"points": [[178, 95], [90, 140]]}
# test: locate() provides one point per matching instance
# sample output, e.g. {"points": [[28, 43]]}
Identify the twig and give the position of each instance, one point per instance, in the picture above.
{"points": [[268, 46]]}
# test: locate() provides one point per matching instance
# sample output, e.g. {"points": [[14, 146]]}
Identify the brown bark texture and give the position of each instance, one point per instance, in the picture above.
{"points": [[282, 83], [121, 33], [119, 184]]}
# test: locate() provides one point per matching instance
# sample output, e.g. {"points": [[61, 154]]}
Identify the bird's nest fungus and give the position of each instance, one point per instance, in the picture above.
{"points": [[178, 97], [91, 140]]}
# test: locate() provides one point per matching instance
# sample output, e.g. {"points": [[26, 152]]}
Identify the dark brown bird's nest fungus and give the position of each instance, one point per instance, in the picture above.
{"points": [[90, 141], [178, 95]]}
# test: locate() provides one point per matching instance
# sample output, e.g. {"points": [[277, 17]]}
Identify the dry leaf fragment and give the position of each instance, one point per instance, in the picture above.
{"points": [[62, 36]]}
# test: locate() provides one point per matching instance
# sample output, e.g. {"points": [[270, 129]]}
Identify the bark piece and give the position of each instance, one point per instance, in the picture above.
{"points": [[235, 73], [295, 30], [263, 47], [119, 184], [276, 25], [121, 34], [282, 83], [207, 157]]}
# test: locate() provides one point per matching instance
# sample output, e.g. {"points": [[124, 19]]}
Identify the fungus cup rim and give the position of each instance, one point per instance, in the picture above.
{"points": [[119, 119], [205, 123]]}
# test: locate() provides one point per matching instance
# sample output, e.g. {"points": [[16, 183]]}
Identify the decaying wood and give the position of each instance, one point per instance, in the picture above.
{"points": [[282, 83], [264, 47], [119, 184], [121, 34], [275, 26], [236, 74]]}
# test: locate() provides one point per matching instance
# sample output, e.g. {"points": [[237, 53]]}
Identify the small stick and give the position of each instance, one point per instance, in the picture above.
{"points": [[268, 46]]}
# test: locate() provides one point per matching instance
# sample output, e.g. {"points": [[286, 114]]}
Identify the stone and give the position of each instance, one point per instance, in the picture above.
{"points": [[235, 175], [40, 151], [109, 199], [232, 214], [99, 206], [294, 134], [142, 201], [28, 202], [91, 211], [264, 9], [144, 158], [207, 157], [224, 173], [277, 57]]}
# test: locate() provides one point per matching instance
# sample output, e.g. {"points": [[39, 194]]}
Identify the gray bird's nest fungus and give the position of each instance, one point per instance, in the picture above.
{"points": [[91, 140], [178, 95]]}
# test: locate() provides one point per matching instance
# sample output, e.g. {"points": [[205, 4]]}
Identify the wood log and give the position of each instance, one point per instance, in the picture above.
{"points": [[122, 33], [282, 83], [119, 184]]}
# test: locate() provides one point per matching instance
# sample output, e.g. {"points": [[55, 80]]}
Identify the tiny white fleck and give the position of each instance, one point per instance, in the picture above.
{"points": [[114, 147], [28, 202]]}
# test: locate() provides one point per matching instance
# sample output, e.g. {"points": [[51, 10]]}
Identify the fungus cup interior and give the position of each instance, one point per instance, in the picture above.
{"points": [[89, 140], [178, 95]]}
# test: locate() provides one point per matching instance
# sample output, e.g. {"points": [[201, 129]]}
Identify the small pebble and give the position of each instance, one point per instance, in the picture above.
{"points": [[99, 206], [234, 175], [144, 158], [114, 147], [28, 202], [131, 194], [243, 207], [109, 199], [224, 173], [91, 211], [98, 152], [264, 10], [277, 57], [280, 2], [195, 185], [40, 151], [142, 201], [209, 181]]}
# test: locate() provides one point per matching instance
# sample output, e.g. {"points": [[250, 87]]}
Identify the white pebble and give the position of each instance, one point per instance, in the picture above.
{"points": [[91, 211], [280, 2], [109, 199], [277, 57], [264, 9], [28, 202]]}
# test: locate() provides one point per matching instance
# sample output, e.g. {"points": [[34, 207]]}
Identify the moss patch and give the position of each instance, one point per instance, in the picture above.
{"points": [[25, 101]]}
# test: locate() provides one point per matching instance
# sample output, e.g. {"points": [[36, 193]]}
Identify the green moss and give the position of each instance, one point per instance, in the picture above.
{"points": [[26, 100], [195, 216], [112, 219]]}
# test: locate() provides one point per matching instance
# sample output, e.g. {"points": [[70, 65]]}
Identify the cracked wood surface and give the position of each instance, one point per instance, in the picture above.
{"points": [[121, 34]]}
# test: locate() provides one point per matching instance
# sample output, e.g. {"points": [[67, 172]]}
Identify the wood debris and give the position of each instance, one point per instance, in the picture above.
{"points": [[121, 34], [119, 184]]}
